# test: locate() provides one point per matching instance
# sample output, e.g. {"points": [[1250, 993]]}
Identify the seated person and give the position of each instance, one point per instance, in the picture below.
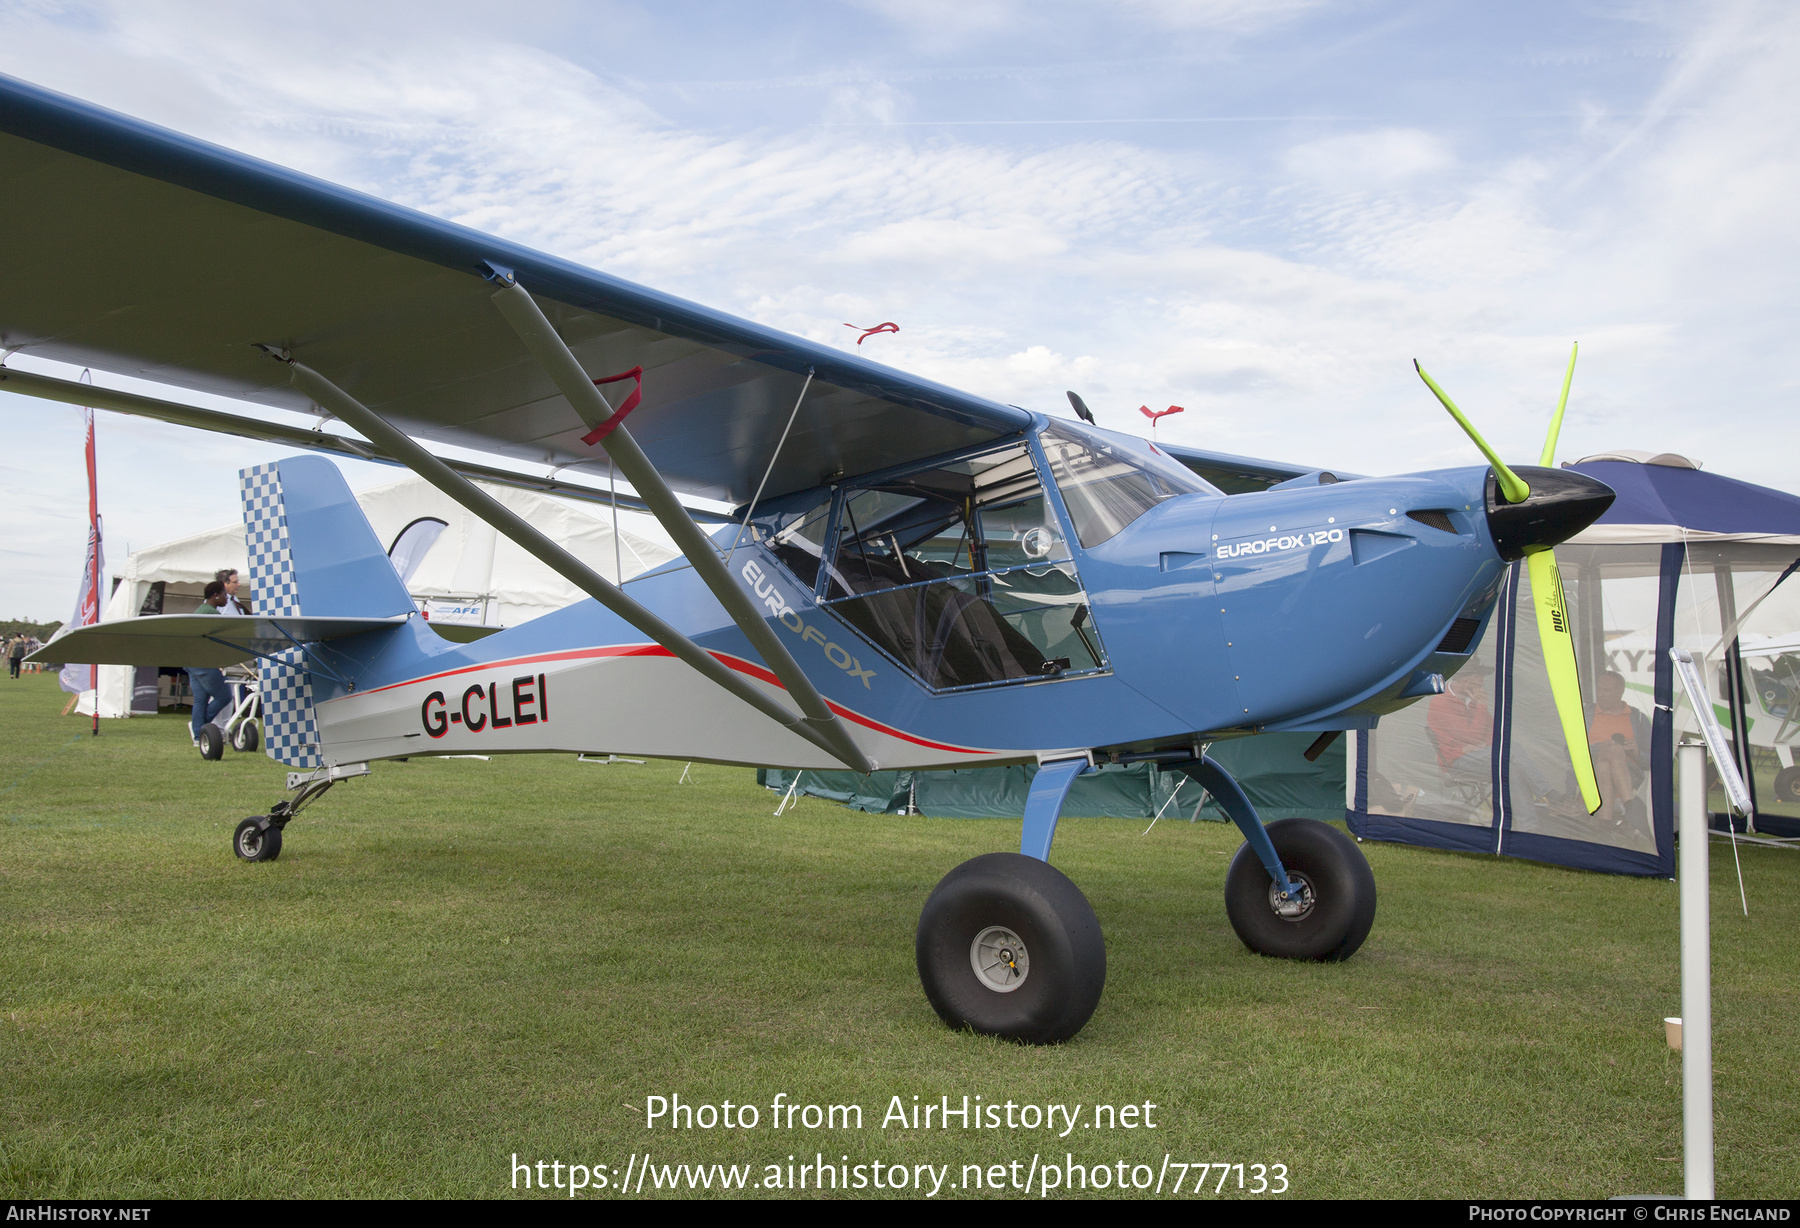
{"points": [[1619, 740], [1460, 722], [1385, 797]]}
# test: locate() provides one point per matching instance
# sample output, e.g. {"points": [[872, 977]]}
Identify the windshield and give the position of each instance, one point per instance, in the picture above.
{"points": [[1106, 487]]}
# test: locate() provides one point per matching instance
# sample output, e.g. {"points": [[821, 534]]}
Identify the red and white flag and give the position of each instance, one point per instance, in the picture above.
{"points": [[78, 678]]}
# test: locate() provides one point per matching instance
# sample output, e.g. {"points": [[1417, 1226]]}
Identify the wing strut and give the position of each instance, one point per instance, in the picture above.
{"points": [[69, 392], [565, 371], [396, 444]]}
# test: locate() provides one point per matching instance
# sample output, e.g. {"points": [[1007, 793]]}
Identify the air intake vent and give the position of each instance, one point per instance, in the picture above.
{"points": [[1462, 634], [1436, 519]]}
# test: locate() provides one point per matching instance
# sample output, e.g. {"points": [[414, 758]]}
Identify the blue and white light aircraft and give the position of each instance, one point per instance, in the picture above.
{"points": [[912, 578]]}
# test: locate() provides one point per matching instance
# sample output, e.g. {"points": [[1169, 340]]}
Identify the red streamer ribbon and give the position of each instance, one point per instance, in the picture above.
{"points": [[886, 326], [631, 402], [1154, 414]]}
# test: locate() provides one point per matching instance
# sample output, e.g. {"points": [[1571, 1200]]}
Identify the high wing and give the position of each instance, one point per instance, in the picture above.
{"points": [[202, 640], [137, 250]]}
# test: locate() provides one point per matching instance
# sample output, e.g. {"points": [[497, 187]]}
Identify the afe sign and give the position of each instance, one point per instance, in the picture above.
{"points": [[525, 701]]}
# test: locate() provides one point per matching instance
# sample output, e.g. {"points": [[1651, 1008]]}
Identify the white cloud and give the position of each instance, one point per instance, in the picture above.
{"points": [[939, 24], [1228, 15], [959, 248], [1359, 160]]}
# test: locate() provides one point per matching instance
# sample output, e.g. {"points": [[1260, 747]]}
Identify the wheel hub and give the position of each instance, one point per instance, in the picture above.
{"points": [[1287, 907], [1000, 959]]}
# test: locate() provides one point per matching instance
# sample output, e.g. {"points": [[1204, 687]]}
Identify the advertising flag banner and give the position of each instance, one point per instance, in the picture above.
{"points": [[78, 678]]}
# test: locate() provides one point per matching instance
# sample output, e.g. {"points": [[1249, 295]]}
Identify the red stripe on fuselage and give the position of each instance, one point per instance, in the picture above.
{"points": [[657, 650]]}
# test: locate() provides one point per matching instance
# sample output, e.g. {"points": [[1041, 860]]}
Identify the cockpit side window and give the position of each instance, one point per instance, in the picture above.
{"points": [[1106, 487], [961, 574], [796, 534]]}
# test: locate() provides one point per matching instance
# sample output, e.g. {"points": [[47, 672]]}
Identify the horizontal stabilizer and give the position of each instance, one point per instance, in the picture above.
{"points": [[200, 640]]}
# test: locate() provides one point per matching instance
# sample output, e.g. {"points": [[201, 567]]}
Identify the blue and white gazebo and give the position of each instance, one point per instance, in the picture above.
{"points": [[1683, 558]]}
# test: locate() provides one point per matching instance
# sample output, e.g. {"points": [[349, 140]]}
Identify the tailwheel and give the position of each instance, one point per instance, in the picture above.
{"points": [[1337, 894], [1008, 946], [257, 839]]}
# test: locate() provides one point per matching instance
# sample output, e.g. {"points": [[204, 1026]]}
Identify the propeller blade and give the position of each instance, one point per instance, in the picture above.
{"points": [[1559, 663], [1549, 455], [1511, 484]]}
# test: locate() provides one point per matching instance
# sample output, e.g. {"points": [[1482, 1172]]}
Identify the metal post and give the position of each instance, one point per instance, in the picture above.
{"points": [[1696, 979]]}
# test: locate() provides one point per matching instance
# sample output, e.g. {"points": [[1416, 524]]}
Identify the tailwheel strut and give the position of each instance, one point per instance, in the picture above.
{"points": [[258, 838]]}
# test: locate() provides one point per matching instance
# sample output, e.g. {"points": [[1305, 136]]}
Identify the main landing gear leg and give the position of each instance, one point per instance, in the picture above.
{"points": [[1298, 888], [258, 838], [1007, 945]]}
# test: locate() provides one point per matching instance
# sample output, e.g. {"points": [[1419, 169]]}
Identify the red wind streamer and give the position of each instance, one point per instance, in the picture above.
{"points": [[631, 402], [1154, 414], [886, 326]]}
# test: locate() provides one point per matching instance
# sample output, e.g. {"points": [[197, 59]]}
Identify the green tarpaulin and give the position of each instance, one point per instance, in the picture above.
{"points": [[1272, 769]]}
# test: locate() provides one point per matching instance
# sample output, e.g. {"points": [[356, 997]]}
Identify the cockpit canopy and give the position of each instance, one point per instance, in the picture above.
{"points": [[961, 571]]}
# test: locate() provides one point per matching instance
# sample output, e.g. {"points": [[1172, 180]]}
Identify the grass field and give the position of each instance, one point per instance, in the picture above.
{"points": [[454, 962]]}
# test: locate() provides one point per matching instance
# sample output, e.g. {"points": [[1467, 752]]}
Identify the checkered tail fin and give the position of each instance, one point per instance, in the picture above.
{"points": [[313, 553]]}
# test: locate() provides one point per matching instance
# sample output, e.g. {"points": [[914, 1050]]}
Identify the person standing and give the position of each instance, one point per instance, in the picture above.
{"points": [[211, 695], [238, 607], [234, 604], [15, 653]]}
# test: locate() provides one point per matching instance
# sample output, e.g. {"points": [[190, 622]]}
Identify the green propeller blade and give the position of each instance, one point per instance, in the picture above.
{"points": [[1511, 484], [1546, 594], [1559, 663], [1549, 455]]}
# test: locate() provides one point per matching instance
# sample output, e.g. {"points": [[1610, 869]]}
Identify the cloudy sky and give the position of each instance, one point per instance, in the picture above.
{"points": [[1261, 210]]}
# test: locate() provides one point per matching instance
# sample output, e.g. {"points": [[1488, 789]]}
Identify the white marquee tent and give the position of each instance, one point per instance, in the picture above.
{"points": [[460, 572]]}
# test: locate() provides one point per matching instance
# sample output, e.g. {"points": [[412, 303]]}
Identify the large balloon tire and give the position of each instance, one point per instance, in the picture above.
{"points": [[1787, 785], [1342, 886], [1012, 896]]}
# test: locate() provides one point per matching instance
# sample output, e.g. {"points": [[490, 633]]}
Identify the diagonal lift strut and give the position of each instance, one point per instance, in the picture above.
{"points": [[577, 387], [400, 446]]}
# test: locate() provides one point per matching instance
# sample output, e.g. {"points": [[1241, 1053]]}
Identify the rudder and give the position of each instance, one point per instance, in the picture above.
{"points": [[311, 552]]}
